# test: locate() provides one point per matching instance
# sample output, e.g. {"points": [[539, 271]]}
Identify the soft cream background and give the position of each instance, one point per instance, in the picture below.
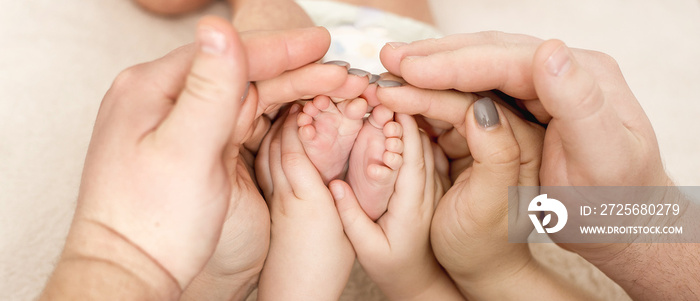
{"points": [[57, 59]]}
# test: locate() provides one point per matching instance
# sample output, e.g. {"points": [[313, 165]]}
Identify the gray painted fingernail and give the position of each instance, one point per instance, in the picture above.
{"points": [[245, 93], [388, 83], [358, 72], [485, 113], [338, 63], [374, 78]]}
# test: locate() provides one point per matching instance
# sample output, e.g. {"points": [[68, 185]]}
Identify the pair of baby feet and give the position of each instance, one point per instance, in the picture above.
{"points": [[341, 143]]}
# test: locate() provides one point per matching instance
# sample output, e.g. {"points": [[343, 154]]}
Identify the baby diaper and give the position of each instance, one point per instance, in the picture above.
{"points": [[359, 33]]}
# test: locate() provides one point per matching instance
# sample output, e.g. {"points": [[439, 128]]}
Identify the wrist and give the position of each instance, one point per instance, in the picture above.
{"points": [[97, 263], [439, 286], [487, 282], [496, 267]]}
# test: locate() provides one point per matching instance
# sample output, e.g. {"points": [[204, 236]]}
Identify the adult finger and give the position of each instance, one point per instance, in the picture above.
{"points": [[587, 123], [468, 62], [393, 53], [307, 81], [496, 157], [269, 54], [173, 7], [447, 105], [484, 67], [206, 110], [272, 52]]}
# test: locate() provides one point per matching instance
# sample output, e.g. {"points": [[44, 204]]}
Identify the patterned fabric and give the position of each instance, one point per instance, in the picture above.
{"points": [[359, 33]]}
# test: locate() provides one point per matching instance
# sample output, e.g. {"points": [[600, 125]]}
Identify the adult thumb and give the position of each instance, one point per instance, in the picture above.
{"points": [[207, 108], [587, 123]]}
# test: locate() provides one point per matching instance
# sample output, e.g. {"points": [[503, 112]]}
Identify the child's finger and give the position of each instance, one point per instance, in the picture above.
{"points": [[303, 177], [427, 203], [410, 182], [262, 162], [454, 144], [280, 183], [364, 234]]}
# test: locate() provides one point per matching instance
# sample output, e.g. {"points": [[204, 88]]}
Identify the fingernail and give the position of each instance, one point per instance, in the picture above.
{"points": [[338, 63], [388, 83], [337, 191], [358, 72], [395, 45], [211, 41], [245, 93], [374, 78], [485, 113], [559, 62]]}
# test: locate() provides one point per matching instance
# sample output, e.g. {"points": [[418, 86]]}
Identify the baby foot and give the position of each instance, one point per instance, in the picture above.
{"points": [[375, 160], [328, 133]]}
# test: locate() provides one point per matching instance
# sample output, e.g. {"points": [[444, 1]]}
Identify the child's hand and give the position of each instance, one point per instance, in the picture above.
{"points": [[310, 257], [395, 252]]}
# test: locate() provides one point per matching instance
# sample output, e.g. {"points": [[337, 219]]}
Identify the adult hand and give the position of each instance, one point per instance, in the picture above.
{"points": [[156, 184], [597, 130], [597, 135]]}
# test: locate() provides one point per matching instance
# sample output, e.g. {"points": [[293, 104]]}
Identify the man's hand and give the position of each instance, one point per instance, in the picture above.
{"points": [[597, 134], [156, 184]]}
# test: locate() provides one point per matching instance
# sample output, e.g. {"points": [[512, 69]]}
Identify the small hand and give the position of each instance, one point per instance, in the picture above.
{"points": [[310, 257], [395, 251]]}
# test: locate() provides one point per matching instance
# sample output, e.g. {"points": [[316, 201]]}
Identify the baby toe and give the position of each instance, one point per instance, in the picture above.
{"points": [[380, 116], [307, 133], [353, 109], [393, 130], [394, 145], [304, 119], [392, 160], [311, 109], [379, 173]]}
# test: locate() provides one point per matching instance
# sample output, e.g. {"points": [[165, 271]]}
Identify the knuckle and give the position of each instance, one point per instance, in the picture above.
{"points": [[590, 100], [124, 84], [493, 35], [127, 77], [292, 159], [604, 58], [505, 156], [204, 88]]}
